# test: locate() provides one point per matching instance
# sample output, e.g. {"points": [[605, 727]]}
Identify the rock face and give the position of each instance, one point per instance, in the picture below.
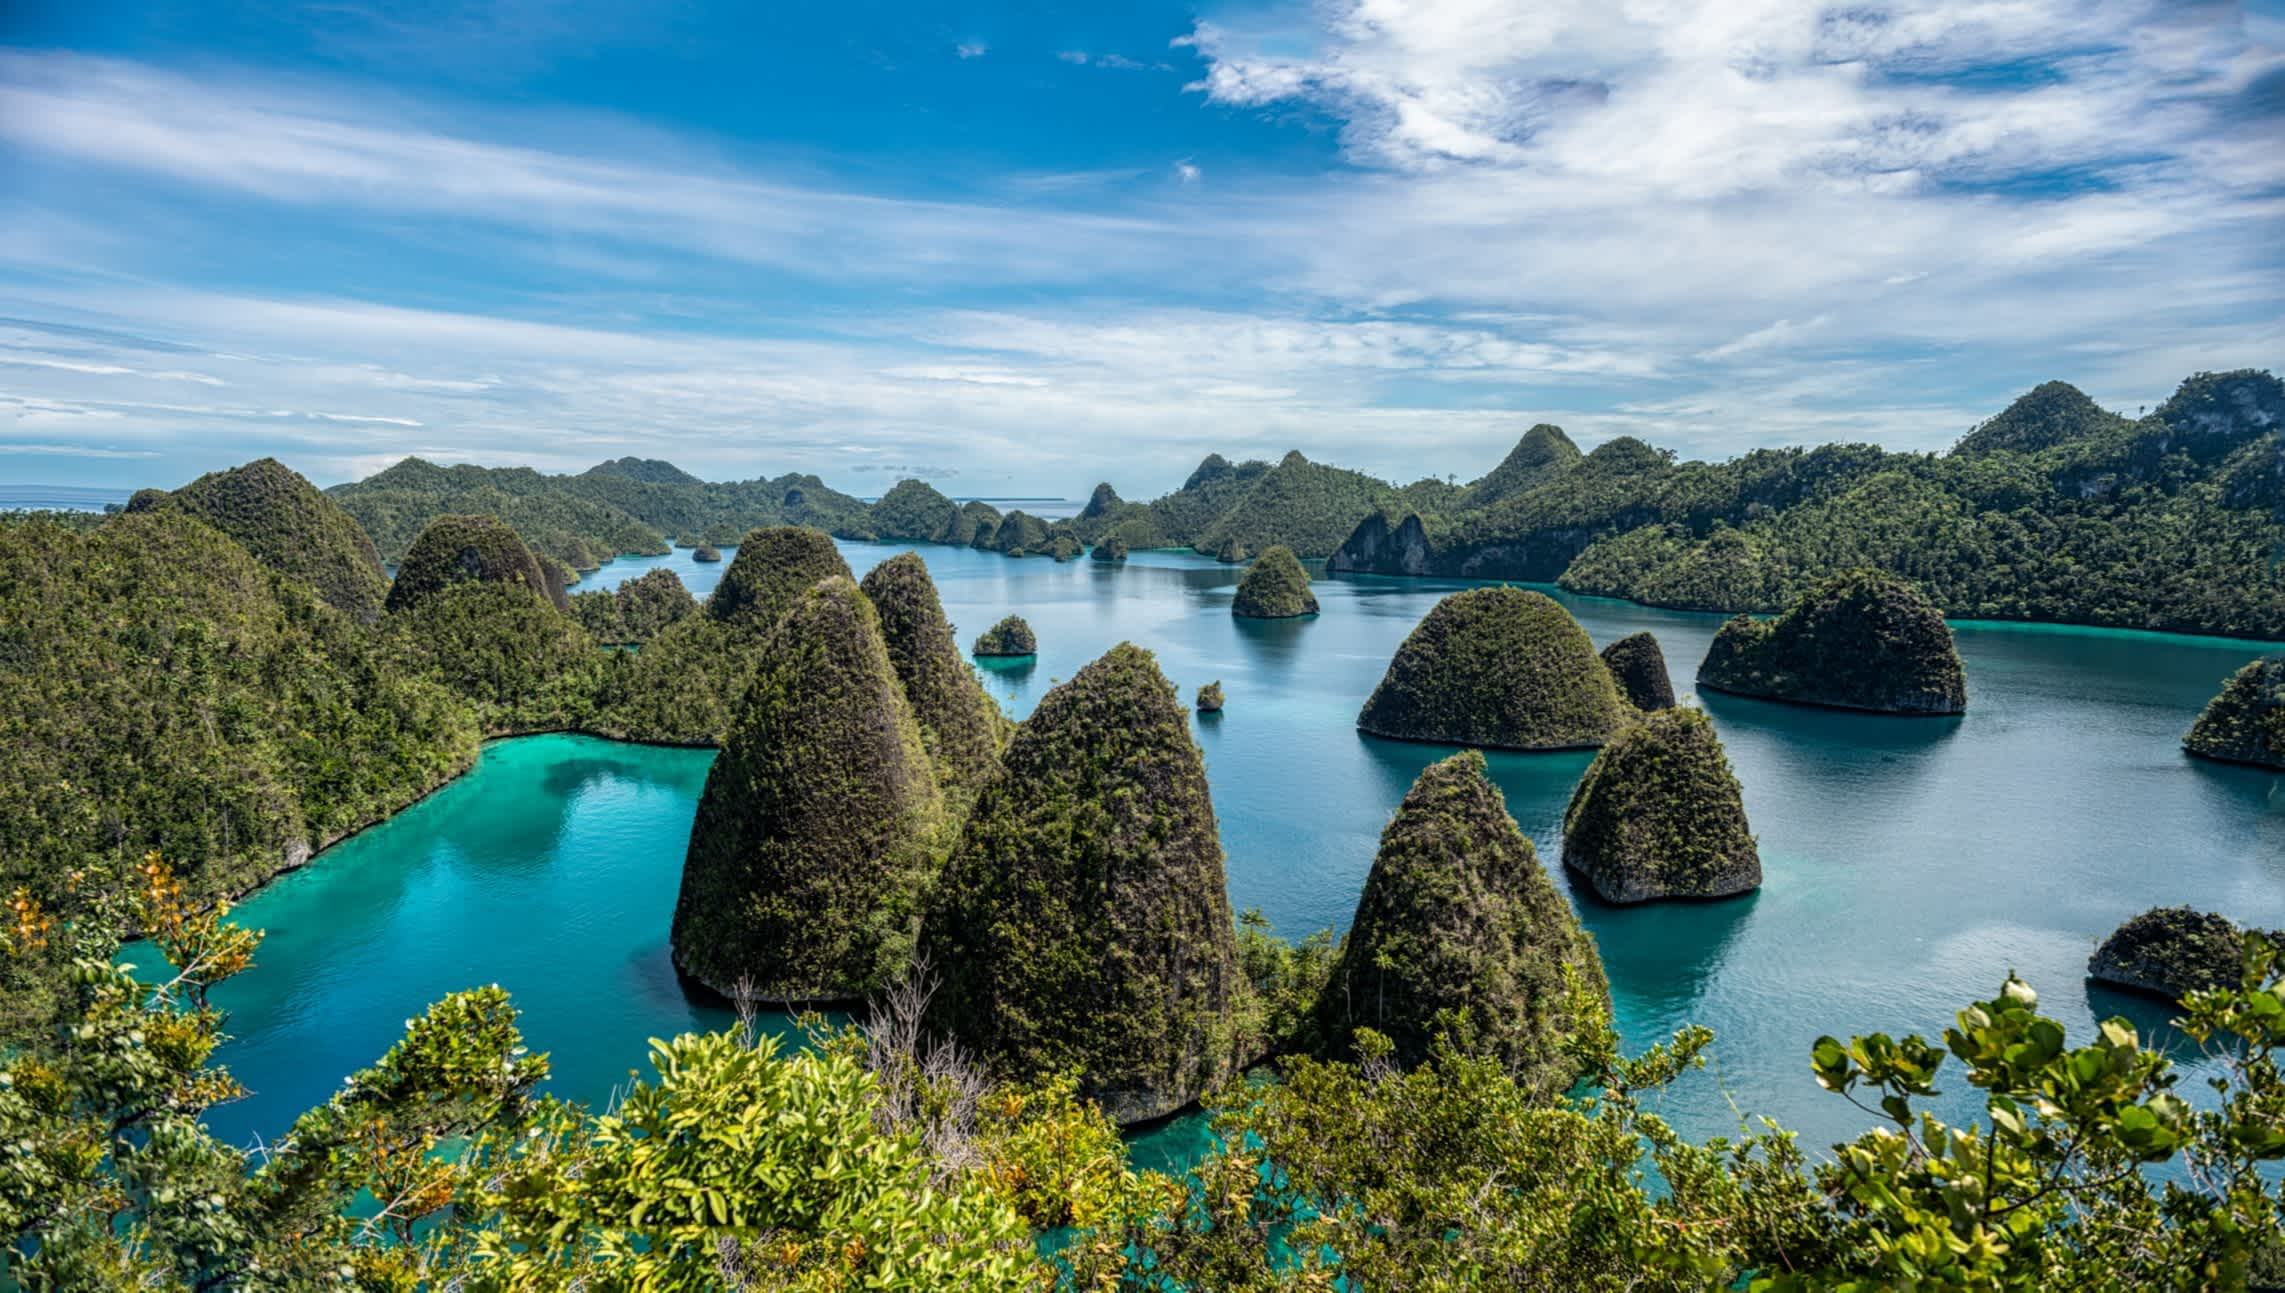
{"points": [[1112, 548], [2246, 722], [821, 829], [1377, 546], [1084, 924], [1009, 637], [958, 723], [291, 528], [1275, 588], [1638, 666], [1862, 639], [1503, 667], [461, 550], [1210, 698], [773, 568], [1457, 914], [2170, 952], [1659, 815]]}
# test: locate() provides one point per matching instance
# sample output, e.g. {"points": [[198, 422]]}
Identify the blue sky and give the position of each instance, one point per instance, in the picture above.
{"points": [[1018, 248]]}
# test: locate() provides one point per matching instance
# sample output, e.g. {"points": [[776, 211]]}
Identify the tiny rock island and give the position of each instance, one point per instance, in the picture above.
{"points": [[2246, 722], [1275, 588], [1638, 666], [1009, 637], [2170, 952], [1659, 815]]}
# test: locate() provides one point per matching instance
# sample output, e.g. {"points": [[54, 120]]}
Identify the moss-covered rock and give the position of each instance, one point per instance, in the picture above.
{"points": [[977, 523], [1064, 547], [1112, 548], [1210, 698], [637, 610], [465, 549], [959, 724], [293, 529], [706, 552], [523, 664], [1659, 815], [1275, 588], [821, 829], [1638, 666], [1083, 925], [2246, 722], [1018, 534], [1009, 637], [1230, 551], [1457, 914], [1862, 639], [1501, 667], [773, 568], [2170, 952]]}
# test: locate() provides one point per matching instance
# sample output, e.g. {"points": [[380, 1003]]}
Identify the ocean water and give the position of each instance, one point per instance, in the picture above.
{"points": [[1910, 864]]}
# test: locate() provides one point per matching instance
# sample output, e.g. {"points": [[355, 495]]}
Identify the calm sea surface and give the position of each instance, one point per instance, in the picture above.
{"points": [[1910, 863]]}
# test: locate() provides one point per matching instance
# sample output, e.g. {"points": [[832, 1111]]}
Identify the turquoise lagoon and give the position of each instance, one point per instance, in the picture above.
{"points": [[1910, 863]]}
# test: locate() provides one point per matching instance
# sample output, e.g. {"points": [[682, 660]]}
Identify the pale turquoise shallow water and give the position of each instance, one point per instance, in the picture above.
{"points": [[1909, 863]]}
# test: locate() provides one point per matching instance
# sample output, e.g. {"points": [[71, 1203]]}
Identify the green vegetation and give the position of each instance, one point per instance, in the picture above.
{"points": [[464, 549], [914, 511], [773, 568], [2245, 723], [1104, 513], [1111, 547], [1862, 639], [1305, 506], [1019, 534], [522, 664], [1501, 667], [1638, 666], [1063, 547], [1275, 588], [821, 828], [1046, 973], [882, 1159], [636, 611], [1660, 815], [1010, 637], [1543, 454], [960, 726], [2054, 510], [706, 553], [2171, 952], [160, 689], [1210, 698], [292, 528], [1459, 928], [978, 522]]}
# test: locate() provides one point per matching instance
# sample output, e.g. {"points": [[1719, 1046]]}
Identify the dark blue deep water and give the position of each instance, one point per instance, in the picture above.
{"points": [[1910, 863]]}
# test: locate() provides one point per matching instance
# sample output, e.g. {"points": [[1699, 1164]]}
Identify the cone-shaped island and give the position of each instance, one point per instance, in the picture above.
{"points": [[464, 550], [1638, 666], [1275, 588], [959, 724], [1009, 637], [1862, 639], [292, 528], [1084, 924], [1457, 914], [773, 568], [2246, 722], [1501, 667], [1659, 815], [821, 829]]}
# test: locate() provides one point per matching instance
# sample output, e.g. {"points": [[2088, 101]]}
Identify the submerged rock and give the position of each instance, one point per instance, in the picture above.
{"points": [[1862, 639], [2171, 952], [2246, 722], [292, 528], [1638, 666], [1009, 637], [461, 550], [773, 568], [1457, 914], [1084, 923], [959, 724], [1210, 698], [821, 829], [1659, 815], [1501, 667], [1275, 588]]}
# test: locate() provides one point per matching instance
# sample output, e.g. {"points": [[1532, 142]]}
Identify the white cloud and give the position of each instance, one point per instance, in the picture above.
{"points": [[1187, 171], [971, 49]]}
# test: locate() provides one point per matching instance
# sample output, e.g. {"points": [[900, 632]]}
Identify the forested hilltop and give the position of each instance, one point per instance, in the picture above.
{"points": [[2054, 510]]}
